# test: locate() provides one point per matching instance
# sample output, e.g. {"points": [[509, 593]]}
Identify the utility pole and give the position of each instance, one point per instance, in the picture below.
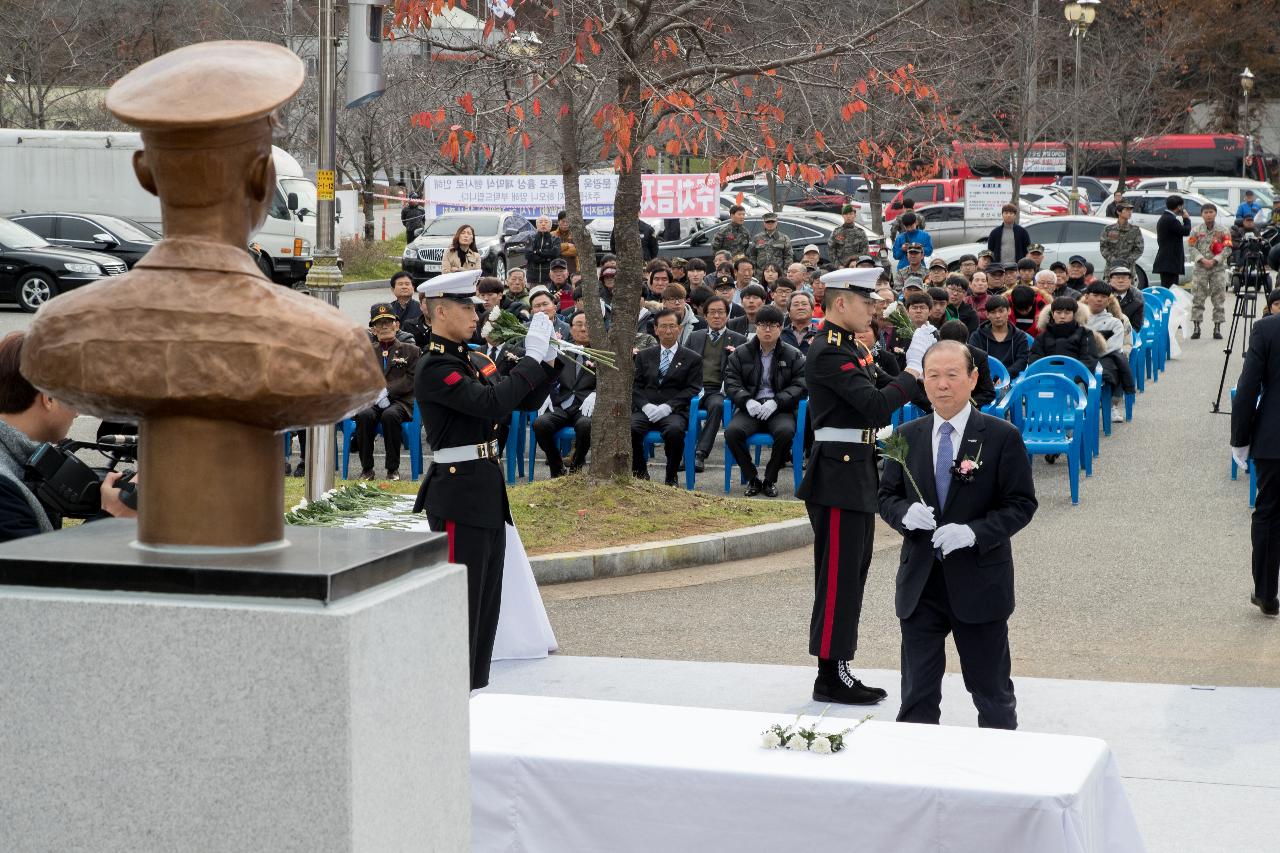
{"points": [[325, 278]]}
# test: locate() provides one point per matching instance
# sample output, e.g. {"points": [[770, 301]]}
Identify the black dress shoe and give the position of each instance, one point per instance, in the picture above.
{"points": [[699, 462], [640, 475], [829, 689], [754, 487], [557, 472], [300, 470], [673, 481], [770, 490], [1268, 608]]}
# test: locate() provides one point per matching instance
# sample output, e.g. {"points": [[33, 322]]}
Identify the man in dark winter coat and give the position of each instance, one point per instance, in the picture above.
{"points": [[1172, 228], [1064, 331], [1008, 241], [1000, 340]]}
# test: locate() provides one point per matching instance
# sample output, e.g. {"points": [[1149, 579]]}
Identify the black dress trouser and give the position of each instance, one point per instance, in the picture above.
{"points": [[842, 541], [367, 423], [1266, 530], [781, 427], [545, 427], [984, 661], [482, 550]]}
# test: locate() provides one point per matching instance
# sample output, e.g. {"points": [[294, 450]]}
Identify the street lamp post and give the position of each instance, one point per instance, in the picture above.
{"points": [[1080, 14], [1246, 84]]}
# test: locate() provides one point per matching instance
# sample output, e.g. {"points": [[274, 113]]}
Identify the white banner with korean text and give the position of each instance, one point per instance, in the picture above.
{"points": [[662, 196]]}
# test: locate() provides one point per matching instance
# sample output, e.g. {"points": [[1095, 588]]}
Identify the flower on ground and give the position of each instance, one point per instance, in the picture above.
{"points": [[771, 740], [821, 745], [798, 743]]}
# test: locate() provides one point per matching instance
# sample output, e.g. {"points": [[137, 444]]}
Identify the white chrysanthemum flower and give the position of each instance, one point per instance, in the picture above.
{"points": [[494, 313], [771, 740], [797, 743], [821, 745]]}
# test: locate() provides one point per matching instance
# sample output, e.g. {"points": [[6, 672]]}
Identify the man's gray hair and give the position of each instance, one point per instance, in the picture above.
{"points": [[946, 346], [1046, 277]]}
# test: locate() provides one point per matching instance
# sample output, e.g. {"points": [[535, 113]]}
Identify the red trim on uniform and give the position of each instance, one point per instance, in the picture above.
{"points": [[867, 361], [453, 379], [489, 369], [833, 579], [449, 531], [848, 365]]}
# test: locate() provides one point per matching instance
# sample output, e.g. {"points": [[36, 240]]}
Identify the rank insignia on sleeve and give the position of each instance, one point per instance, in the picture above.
{"points": [[453, 379], [435, 347], [489, 369]]}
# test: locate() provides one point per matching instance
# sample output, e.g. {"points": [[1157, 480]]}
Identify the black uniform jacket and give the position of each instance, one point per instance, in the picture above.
{"points": [[1256, 422], [742, 377], [461, 404], [841, 375], [681, 384], [998, 502]]}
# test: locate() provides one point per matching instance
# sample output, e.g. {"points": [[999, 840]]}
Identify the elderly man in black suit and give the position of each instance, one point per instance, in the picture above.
{"points": [[1172, 228], [956, 573], [1255, 432], [765, 380], [571, 402], [714, 345], [667, 379]]}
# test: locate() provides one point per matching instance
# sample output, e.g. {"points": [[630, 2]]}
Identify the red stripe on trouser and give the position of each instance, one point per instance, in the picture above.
{"points": [[449, 531], [833, 580]]}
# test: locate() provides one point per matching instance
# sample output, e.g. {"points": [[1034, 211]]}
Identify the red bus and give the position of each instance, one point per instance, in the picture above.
{"points": [[1217, 155]]}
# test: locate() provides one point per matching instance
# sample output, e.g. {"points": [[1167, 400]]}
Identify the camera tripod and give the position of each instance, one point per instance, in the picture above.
{"points": [[1251, 279]]}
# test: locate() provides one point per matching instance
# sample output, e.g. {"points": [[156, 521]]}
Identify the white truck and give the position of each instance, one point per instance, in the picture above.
{"points": [[60, 171]]}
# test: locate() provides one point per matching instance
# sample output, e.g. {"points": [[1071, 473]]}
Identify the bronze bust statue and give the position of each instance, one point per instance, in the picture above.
{"points": [[211, 358]]}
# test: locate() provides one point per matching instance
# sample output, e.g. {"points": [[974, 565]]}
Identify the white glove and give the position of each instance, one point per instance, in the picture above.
{"points": [[919, 517], [588, 405], [921, 341], [383, 400], [552, 350], [952, 537], [538, 339], [767, 408], [649, 409], [753, 408], [1241, 456], [545, 407], [659, 412]]}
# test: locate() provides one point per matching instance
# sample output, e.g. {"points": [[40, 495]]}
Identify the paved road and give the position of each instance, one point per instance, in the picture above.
{"points": [[1146, 580]]}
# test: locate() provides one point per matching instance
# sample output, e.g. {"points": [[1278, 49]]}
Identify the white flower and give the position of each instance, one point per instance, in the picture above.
{"points": [[771, 740], [821, 745], [329, 493], [494, 313], [486, 329], [797, 743], [299, 506]]}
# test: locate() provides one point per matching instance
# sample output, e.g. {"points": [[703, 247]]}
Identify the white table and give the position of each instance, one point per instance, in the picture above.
{"points": [[561, 775]]}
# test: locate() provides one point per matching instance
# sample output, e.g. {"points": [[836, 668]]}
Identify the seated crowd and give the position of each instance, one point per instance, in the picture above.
{"points": [[725, 330]]}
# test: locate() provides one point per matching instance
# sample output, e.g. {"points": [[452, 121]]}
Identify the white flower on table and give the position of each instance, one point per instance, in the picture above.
{"points": [[797, 743], [821, 745], [771, 740]]}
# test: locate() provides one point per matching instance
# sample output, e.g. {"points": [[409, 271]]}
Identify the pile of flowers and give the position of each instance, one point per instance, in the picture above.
{"points": [[505, 328], [807, 738], [350, 501]]}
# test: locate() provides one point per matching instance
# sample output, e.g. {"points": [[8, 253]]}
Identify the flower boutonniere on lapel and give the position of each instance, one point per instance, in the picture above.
{"points": [[965, 468], [729, 348], [400, 361]]}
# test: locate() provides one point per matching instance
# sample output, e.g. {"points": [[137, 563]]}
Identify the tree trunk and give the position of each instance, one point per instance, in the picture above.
{"points": [[1124, 163], [367, 200], [877, 206]]}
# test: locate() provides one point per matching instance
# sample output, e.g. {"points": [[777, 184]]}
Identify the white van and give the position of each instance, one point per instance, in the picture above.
{"points": [[57, 171], [1226, 193]]}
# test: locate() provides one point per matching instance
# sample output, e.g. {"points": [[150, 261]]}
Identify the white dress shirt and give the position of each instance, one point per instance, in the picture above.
{"points": [[958, 424]]}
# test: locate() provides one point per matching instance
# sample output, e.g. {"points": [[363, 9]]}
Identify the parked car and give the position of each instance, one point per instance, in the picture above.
{"points": [[792, 193], [1051, 200], [502, 239], [1149, 204], [800, 229], [1064, 236], [1095, 190], [922, 193], [947, 226], [877, 246], [1226, 193], [111, 235], [846, 184], [601, 230], [33, 270]]}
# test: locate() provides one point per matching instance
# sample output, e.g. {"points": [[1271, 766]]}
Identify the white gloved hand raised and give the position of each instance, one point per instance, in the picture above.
{"points": [[924, 338], [538, 339], [1241, 456], [767, 408], [753, 408], [659, 412], [952, 537], [919, 517], [553, 350], [588, 405]]}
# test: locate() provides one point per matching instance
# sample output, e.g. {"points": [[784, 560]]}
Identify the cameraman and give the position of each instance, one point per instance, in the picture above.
{"points": [[29, 418]]}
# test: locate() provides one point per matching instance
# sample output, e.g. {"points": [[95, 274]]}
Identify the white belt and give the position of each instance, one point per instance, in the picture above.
{"points": [[844, 436], [465, 453]]}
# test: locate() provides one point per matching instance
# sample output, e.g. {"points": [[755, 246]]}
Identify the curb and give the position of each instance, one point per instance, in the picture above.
{"points": [[741, 544], [374, 284]]}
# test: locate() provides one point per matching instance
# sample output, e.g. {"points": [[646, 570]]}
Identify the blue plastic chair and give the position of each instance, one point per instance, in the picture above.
{"points": [[763, 439], [1054, 408], [1152, 335], [1137, 360], [564, 440], [410, 430], [1000, 378], [653, 439], [1090, 426]]}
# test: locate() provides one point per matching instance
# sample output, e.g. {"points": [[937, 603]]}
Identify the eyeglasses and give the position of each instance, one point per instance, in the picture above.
{"points": [[768, 325]]}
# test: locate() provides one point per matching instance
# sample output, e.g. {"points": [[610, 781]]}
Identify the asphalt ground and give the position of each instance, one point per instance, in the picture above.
{"points": [[1146, 580]]}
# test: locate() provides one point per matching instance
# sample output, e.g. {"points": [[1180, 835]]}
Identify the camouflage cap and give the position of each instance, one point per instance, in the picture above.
{"points": [[1035, 248], [1119, 269], [1124, 205], [986, 253], [913, 247], [770, 217]]}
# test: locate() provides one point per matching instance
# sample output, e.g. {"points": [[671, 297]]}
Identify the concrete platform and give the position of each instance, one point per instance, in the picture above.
{"points": [[1201, 765]]}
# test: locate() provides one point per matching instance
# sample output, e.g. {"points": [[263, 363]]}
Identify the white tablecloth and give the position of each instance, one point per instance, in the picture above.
{"points": [[562, 775], [524, 632]]}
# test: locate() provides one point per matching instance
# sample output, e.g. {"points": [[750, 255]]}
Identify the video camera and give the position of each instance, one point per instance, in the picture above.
{"points": [[70, 487], [1250, 274]]}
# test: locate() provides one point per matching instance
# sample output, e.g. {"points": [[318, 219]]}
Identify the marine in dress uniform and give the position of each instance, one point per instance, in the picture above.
{"points": [[464, 493], [840, 483]]}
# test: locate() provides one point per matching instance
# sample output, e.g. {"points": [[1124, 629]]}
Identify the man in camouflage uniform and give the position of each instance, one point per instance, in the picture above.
{"points": [[734, 239], [847, 241], [1122, 244], [771, 246], [1210, 246], [915, 266]]}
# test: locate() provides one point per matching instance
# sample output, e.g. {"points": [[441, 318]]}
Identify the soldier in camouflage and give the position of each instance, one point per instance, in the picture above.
{"points": [[770, 246], [1122, 244], [1210, 246], [847, 241], [734, 239], [915, 266]]}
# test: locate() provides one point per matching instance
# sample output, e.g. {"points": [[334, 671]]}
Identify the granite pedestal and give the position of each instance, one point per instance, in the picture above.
{"points": [[310, 698]]}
